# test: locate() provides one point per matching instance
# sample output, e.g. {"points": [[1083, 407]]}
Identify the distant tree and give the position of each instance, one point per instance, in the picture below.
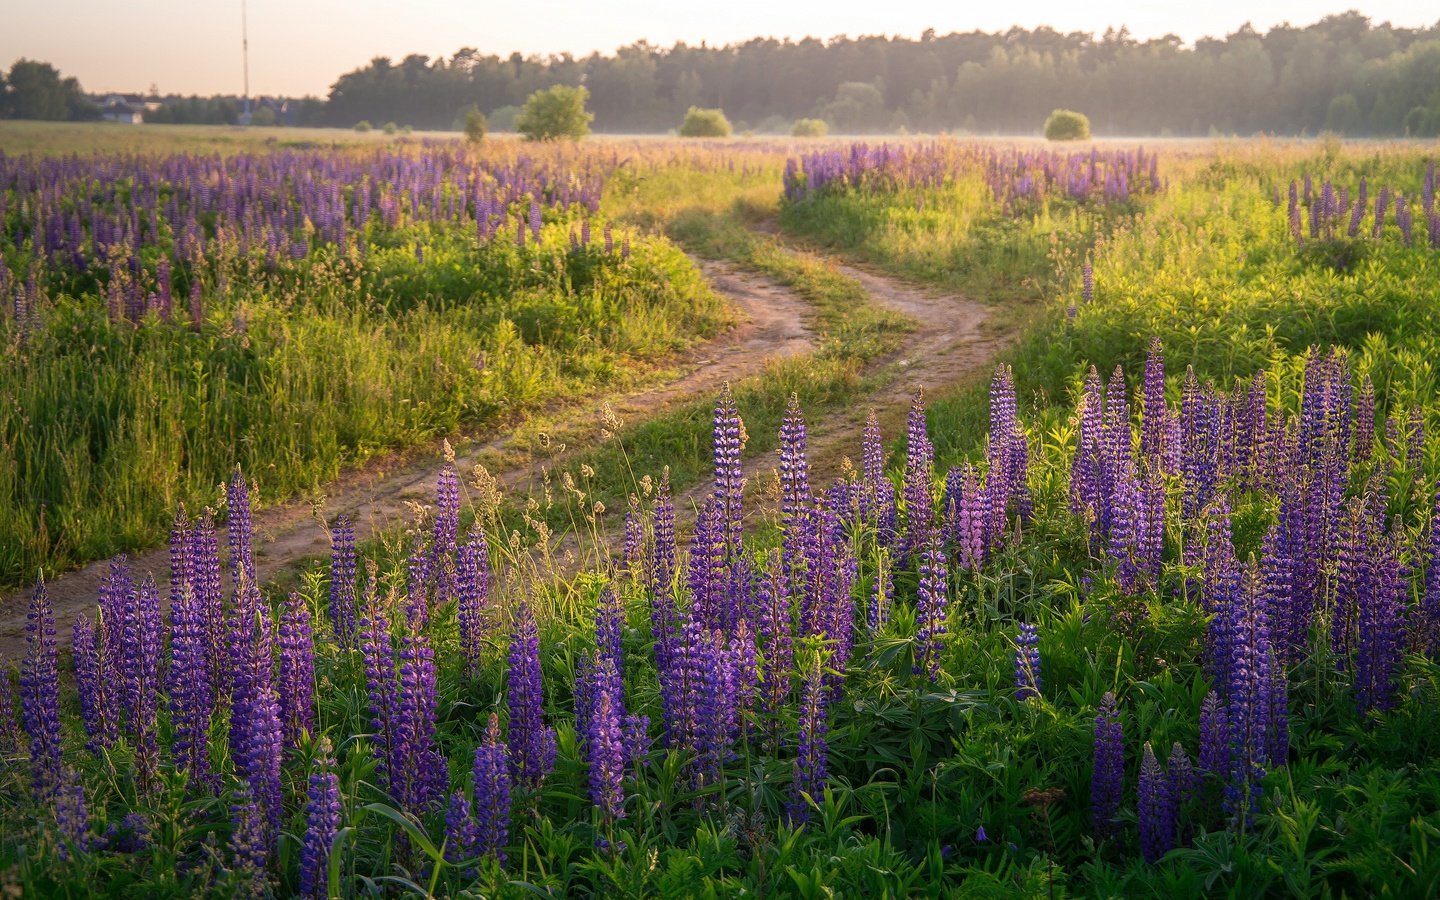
{"points": [[1067, 125], [391, 128], [858, 106], [555, 114], [35, 90], [474, 125], [363, 126], [705, 123], [264, 117], [1343, 115], [807, 128]]}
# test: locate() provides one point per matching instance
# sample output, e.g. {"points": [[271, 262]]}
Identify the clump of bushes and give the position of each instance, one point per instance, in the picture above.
{"points": [[806, 128], [705, 123], [1067, 125]]}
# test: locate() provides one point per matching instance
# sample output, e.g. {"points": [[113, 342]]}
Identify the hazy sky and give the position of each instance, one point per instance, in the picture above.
{"points": [[300, 46]]}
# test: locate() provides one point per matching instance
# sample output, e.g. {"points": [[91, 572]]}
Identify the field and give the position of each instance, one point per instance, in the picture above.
{"points": [[658, 518]]}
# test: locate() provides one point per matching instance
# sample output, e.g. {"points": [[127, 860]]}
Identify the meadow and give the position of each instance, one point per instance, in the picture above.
{"points": [[1150, 608]]}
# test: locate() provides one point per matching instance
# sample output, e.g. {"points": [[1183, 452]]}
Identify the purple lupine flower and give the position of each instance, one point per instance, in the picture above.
{"points": [[190, 690], [1380, 621], [443, 547], [40, 696], [776, 632], [72, 815], [605, 748], [795, 496], [729, 477], [1106, 782], [256, 732], [1087, 282], [1027, 662], [932, 607], [1428, 625], [9, 730], [420, 777], [1156, 809], [342, 581], [811, 763], [1214, 738], [662, 561], [93, 684], [140, 666], [919, 503], [1184, 787], [240, 531], [461, 833], [204, 559], [492, 793], [379, 655], [1152, 405], [297, 670], [322, 822], [249, 839], [473, 589], [634, 553], [532, 742]]}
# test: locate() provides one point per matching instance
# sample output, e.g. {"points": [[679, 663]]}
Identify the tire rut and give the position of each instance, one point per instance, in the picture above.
{"points": [[381, 495]]}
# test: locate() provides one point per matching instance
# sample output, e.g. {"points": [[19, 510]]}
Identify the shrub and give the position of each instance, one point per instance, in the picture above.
{"points": [[555, 114], [809, 128], [705, 123], [474, 125], [263, 117], [1067, 125], [503, 118], [391, 128], [363, 125]]}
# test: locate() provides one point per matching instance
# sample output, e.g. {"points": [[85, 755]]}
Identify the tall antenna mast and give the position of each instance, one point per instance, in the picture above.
{"points": [[245, 52]]}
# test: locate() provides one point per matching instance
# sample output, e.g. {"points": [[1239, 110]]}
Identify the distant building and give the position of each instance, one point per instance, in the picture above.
{"points": [[129, 109]]}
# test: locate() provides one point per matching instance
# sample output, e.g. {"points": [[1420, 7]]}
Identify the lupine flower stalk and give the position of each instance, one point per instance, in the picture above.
{"points": [[532, 742], [297, 670], [322, 822], [1157, 808], [492, 793], [1106, 782]]}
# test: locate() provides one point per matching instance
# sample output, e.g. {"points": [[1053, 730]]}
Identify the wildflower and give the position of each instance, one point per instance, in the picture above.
{"points": [[1109, 770], [322, 822]]}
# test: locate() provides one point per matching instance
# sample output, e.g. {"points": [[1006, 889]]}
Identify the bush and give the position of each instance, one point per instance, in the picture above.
{"points": [[363, 125], [555, 114], [263, 117], [390, 128], [809, 128], [503, 118], [1067, 125], [474, 125], [705, 123]]}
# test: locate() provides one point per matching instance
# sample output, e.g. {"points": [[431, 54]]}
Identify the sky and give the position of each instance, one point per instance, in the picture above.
{"points": [[300, 46]]}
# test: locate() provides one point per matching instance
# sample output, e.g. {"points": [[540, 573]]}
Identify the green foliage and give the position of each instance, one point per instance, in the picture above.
{"points": [[263, 117], [808, 128], [391, 128], [35, 90], [706, 123], [474, 125], [555, 114], [363, 126], [503, 118], [1067, 125]]}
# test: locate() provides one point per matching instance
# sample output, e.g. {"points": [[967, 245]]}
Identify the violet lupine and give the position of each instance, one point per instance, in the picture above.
{"points": [[322, 822], [40, 696], [9, 730], [795, 495], [240, 531], [605, 748], [919, 502], [532, 742], [729, 438], [1380, 619], [776, 633], [1008, 457], [1156, 808], [379, 654], [444, 544], [190, 691], [967, 518], [1107, 778], [1152, 406], [249, 840], [1428, 625], [420, 778], [256, 733], [140, 667], [877, 496], [342, 581], [492, 793], [811, 762], [1027, 662], [932, 608], [95, 689], [662, 561], [72, 815], [473, 600], [1184, 788], [461, 833], [297, 670], [204, 553]]}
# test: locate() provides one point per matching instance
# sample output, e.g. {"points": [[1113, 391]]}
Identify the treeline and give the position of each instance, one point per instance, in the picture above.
{"points": [[36, 90], [1342, 73]]}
